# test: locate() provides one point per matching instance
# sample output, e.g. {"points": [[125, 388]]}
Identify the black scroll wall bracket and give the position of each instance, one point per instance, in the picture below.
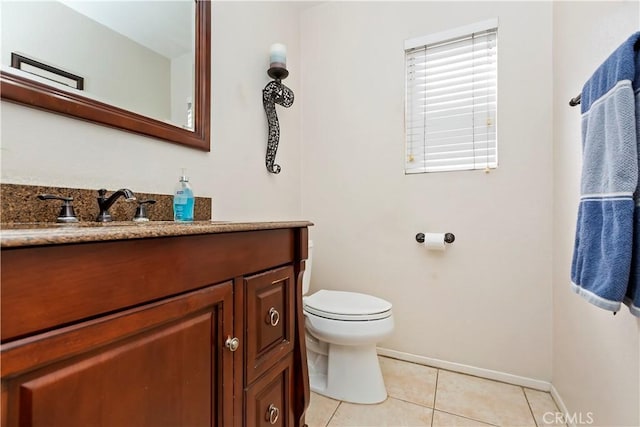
{"points": [[275, 93]]}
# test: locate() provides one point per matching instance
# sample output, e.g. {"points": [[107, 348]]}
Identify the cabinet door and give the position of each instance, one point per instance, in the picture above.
{"points": [[269, 319], [269, 400], [162, 364]]}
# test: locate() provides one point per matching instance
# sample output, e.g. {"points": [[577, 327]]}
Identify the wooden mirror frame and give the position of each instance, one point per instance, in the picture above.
{"points": [[24, 91]]}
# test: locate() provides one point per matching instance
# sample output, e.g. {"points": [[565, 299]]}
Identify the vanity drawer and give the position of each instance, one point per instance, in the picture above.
{"points": [[269, 399], [269, 319]]}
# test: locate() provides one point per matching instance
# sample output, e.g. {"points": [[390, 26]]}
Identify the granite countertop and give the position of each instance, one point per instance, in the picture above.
{"points": [[39, 234]]}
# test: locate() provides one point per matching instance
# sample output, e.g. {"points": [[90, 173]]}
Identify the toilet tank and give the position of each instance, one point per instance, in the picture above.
{"points": [[306, 278]]}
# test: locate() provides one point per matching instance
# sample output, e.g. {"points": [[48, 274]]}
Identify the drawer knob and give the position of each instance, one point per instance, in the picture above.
{"points": [[274, 317], [232, 343], [272, 414]]}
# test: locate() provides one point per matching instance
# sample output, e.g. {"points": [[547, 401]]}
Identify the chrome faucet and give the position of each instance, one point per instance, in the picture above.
{"points": [[105, 203]]}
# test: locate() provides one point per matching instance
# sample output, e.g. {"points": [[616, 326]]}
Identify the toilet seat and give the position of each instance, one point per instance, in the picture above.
{"points": [[347, 306]]}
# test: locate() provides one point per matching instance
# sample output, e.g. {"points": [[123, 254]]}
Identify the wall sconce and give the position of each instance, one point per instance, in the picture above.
{"points": [[275, 93]]}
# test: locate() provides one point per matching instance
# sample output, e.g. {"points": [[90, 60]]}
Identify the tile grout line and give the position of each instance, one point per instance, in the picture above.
{"points": [[435, 393], [334, 413], [529, 405], [433, 412], [468, 418]]}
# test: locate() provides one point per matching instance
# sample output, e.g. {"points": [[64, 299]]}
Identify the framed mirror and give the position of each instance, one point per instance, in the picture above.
{"points": [[46, 84]]}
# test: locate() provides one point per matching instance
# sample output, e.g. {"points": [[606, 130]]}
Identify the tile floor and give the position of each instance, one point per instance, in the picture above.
{"points": [[424, 396]]}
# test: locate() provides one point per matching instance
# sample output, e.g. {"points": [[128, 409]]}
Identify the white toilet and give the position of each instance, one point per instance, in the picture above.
{"points": [[342, 330]]}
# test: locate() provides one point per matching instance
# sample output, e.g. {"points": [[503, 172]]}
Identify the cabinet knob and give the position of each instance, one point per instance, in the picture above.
{"points": [[272, 414], [274, 317], [232, 343]]}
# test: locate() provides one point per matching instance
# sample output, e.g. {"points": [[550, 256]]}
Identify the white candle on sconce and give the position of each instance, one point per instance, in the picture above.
{"points": [[278, 56]]}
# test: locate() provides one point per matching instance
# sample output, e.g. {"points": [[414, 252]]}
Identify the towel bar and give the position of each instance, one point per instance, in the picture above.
{"points": [[575, 101]]}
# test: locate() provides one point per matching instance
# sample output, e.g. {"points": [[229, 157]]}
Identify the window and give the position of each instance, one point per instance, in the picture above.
{"points": [[451, 97]]}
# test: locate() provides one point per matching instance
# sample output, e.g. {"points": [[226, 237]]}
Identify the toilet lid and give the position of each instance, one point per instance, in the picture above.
{"points": [[341, 305]]}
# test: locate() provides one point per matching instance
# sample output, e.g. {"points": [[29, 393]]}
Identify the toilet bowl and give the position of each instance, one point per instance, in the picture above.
{"points": [[342, 330]]}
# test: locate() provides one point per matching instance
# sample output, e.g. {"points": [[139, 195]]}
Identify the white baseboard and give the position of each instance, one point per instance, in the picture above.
{"points": [[561, 406], [473, 370]]}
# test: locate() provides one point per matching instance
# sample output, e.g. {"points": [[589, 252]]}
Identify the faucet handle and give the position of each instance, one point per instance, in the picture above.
{"points": [[54, 197], [66, 215], [141, 212]]}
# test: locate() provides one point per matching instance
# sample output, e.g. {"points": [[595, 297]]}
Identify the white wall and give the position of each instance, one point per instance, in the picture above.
{"points": [[596, 357], [41, 148], [486, 301], [242, 35], [114, 67]]}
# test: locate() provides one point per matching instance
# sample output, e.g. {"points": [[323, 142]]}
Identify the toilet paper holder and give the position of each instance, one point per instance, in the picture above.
{"points": [[448, 237]]}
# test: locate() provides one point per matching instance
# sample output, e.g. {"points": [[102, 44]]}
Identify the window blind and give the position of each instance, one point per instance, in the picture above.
{"points": [[451, 101]]}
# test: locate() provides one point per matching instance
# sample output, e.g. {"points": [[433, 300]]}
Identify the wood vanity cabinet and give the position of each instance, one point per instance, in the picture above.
{"points": [[192, 330]]}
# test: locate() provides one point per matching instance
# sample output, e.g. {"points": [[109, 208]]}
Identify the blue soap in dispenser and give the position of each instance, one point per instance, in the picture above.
{"points": [[183, 200]]}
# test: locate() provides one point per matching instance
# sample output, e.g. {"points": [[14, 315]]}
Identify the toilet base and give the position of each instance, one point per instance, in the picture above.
{"points": [[348, 373]]}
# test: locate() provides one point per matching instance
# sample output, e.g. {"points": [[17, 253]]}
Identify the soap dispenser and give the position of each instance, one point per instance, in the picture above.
{"points": [[183, 200]]}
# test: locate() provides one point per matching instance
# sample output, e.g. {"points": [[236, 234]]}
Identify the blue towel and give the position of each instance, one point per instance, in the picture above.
{"points": [[632, 298], [601, 270]]}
